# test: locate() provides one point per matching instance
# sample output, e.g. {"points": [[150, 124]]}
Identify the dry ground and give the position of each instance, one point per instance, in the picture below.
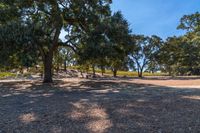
{"points": [[75, 105]]}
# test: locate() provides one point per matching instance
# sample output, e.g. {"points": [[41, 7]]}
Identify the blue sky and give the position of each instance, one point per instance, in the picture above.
{"points": [[155, 17]]}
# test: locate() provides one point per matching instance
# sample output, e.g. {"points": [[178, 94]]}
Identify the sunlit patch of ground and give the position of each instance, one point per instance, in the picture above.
{"points": [[28, 118], [192, 97]]}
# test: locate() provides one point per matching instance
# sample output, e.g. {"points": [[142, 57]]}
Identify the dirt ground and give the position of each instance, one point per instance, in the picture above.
{"points": [[121, 105]]}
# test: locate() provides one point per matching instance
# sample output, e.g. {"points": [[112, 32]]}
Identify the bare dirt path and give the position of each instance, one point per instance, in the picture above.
{"points": [[100, 106], [170, 82]]}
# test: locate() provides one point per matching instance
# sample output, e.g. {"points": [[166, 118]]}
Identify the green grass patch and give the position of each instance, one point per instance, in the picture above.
{"points": [[132, 74], [121, 73], [4, 75]]}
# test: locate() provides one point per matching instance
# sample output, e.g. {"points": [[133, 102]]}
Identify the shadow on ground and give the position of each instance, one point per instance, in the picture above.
{"points": [[97, 106]]}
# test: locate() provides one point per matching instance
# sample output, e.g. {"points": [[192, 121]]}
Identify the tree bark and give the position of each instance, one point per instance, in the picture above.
{"points": [[102, 70], [140, 73], [115, 73], [138, 70], [93, 70], [65, 66], [48, 68]]}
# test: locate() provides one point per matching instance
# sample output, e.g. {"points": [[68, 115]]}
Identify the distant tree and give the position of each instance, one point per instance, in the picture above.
{"points": [[169, 55], [156, 43], [119, 42], [190, 23], [180, 56], [144, 52], [68, 56], [107, 45], [93, 48], [190, 43]]}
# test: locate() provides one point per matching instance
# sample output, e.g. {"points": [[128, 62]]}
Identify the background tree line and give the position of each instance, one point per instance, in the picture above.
{"points": [[94, 38]]}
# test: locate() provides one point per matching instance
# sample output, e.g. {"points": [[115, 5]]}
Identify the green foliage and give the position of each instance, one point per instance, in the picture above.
{"points": [[180, 55], [191, 23], [107, 45], [144, 52], [16, 49], [120, 39], [8, 11], [45, 19]]}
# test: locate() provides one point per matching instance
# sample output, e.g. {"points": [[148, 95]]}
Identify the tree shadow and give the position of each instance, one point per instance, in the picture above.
{"points": [[97, 106]]}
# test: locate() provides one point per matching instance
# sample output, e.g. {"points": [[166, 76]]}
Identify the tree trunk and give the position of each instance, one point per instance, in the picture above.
{"points": [[48, 57], [65, 66], [102, 70], [48, 68], [93, 70], [115, 73], [21, 70], [152, 71], [57, 68], [140, 73]]}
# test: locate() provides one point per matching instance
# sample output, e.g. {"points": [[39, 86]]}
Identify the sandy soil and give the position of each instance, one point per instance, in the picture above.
{"points": [[170, 82], [75, 105]]}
